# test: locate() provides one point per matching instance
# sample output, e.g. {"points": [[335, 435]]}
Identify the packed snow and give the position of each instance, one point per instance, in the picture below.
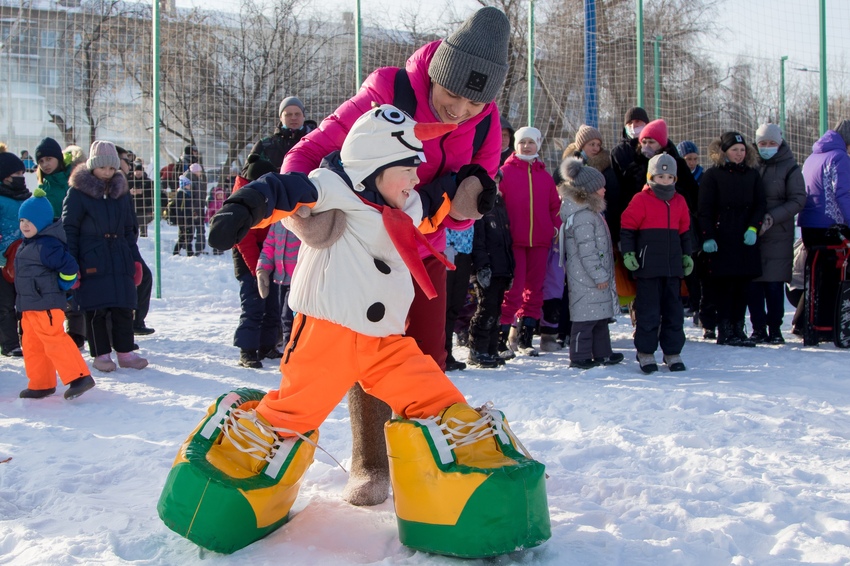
{"points": [[742, 459]]}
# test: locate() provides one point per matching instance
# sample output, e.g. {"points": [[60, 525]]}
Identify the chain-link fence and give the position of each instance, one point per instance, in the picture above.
{"points": [[77, 70]]}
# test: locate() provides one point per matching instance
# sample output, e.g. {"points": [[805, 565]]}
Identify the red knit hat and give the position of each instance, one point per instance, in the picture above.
{"points": [[655, 130]]}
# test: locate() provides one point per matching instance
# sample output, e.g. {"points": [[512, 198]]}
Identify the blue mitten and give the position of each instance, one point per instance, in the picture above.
{"points": [[66, 281], [750, 236], [709, 246]]}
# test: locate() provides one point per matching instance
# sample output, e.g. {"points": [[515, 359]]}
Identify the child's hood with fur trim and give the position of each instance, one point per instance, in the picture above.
{"points": [[84, 181]]}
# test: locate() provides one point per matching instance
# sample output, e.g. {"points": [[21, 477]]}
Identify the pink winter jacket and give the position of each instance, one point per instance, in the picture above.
{"points": [[532, 201], [444, 156]]}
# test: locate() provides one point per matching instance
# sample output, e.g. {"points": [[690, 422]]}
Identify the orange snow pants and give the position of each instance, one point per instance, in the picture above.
{"points": [[47, 350], [324, 359]]}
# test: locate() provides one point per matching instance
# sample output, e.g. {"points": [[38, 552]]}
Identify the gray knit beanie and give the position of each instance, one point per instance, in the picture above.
{"points": [[578, 175], [843, 129], [585, 134], [661, 163], [103, 154], [290, 101], [770, 132], [473, 61]]}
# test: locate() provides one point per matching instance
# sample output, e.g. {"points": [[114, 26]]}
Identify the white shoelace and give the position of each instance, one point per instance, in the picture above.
{"points": [[249, 442]]}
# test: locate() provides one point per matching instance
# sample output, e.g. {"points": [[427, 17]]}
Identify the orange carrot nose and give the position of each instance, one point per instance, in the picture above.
{"points": [[429, 131]]}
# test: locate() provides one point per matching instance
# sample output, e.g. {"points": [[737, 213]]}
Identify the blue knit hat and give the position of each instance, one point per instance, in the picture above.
{"points": [[37, 210], [687, 147]]}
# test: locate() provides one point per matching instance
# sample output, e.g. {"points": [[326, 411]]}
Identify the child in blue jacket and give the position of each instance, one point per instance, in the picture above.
{"points": [[44, 271]]}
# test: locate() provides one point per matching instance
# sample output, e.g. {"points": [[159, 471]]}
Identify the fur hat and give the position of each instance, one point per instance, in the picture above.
{"points": [[585, 134], [290, 101], [636, 113], [37, 209], [528, 132], [687, 147], [385, 137], [655, 130], [256, 167], [769, 132], [661, 163], [728, 139], [473, 61], [49, 147], [102, 154], [842, 128], [579, 176], [9, 163]]}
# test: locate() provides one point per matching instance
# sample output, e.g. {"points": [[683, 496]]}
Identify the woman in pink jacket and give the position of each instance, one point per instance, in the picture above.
{"points": [[456, 81], [533, 210]]}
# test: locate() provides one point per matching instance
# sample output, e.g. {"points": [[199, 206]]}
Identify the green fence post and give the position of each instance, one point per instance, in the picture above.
{"points": [[639, 51], [530, 62], [656, 72], [824, 101], [157, 183]]}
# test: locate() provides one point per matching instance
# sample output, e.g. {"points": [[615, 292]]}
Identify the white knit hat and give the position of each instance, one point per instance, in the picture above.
{"points": [[528, 132]]}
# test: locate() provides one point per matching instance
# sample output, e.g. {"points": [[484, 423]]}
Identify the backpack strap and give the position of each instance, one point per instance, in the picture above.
{"points": [[404, 98]]}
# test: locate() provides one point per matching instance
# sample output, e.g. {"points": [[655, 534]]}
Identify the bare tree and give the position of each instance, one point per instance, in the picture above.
{"points": [[94, 72]]}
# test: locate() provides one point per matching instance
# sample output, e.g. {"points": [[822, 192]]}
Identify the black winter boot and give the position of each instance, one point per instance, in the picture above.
{"points": [[741, 335], [775, 335], [725, 334], [504, 351], [759, 335], [250, 359], [526, 334]]}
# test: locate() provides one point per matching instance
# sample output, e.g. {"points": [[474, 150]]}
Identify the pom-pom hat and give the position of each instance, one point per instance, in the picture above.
{"points": [[578, 175], [37, 209]]}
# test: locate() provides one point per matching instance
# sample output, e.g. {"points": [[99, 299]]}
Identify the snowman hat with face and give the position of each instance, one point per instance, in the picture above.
{"points": [[385, 137]]}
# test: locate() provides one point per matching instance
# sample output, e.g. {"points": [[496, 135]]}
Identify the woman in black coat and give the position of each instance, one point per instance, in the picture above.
{"points": [[731, 209]]}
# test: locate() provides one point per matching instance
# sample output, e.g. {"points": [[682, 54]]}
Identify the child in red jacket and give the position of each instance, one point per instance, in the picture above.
{"points": [[533, 205], [656, 247]]}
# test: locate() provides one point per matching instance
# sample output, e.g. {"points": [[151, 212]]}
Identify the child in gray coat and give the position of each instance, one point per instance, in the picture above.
{"points": [[588, 257]]}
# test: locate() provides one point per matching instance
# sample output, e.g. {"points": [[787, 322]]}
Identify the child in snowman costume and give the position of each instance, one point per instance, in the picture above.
{"points": [[352, 289]]}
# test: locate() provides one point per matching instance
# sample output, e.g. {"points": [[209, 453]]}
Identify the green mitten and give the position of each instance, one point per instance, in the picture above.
{"points": [[687, 264], [630, 261]]}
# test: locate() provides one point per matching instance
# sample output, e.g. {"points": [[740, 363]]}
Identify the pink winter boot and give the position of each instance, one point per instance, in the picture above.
{"points": [[131, 360], [104, 363]]}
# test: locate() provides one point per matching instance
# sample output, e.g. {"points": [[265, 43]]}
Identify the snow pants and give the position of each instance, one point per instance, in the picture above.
{"points": [[525, 298], [48, 350], [660, 315], [323, 360]]}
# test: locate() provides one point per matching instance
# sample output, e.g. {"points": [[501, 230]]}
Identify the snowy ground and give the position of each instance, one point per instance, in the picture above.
{"points": [[744, 459]]}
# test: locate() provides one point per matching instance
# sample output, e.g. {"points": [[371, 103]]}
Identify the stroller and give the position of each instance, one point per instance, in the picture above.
{"points": [[826, 293]]}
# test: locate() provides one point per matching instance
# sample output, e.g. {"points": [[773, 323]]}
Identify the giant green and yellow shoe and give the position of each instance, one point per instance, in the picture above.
{"points": [[219, 495], [461, 487]]}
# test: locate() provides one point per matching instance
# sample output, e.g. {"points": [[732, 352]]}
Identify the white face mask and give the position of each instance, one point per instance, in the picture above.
{"points": [[633, 132]]}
